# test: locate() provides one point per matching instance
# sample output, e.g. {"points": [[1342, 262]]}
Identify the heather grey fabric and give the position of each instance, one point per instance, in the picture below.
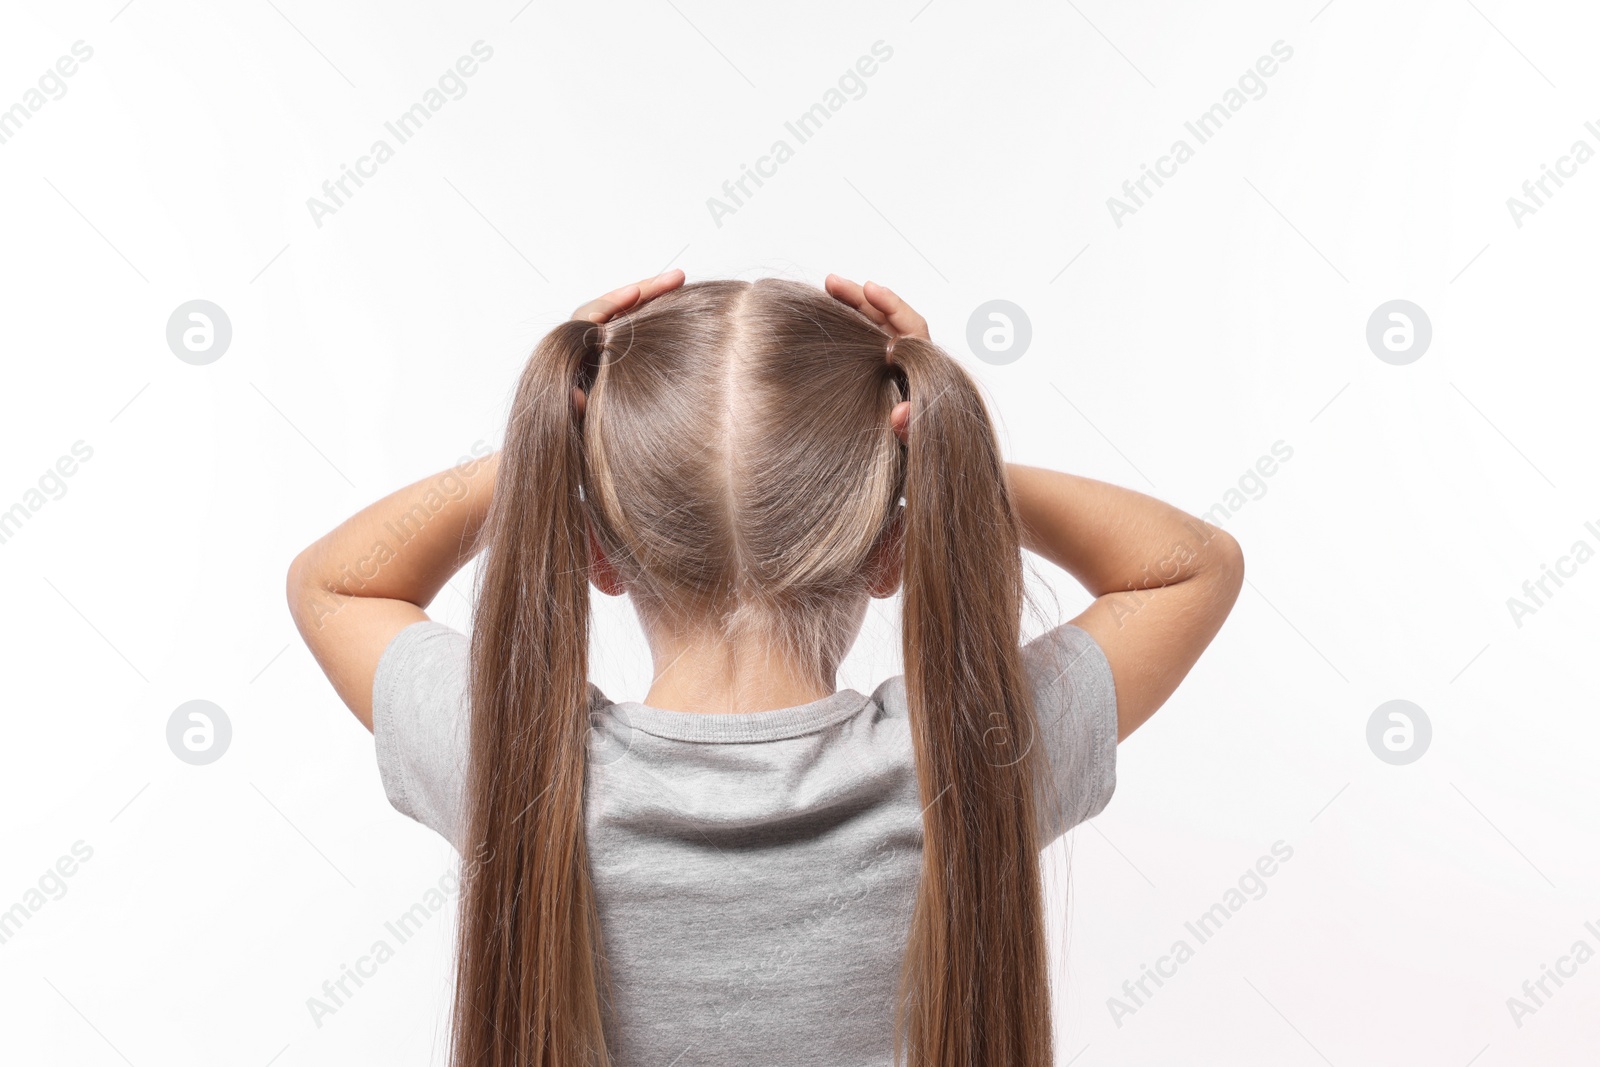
{"points": [[754, 872]]}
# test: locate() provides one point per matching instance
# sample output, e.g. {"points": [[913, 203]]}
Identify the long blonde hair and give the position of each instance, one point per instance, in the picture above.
{"points": [[736, 463]]}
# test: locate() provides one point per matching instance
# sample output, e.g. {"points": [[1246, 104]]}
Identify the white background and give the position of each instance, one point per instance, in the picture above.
{"points": [[1168, 354]]}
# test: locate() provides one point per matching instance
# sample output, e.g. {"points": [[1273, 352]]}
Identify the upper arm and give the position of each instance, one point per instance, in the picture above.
{"points": [[347, 634], [1153, 637]]}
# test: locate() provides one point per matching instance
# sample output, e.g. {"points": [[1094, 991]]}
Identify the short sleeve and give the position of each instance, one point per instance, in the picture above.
{"points": [[1075, 703], [420, 721]]}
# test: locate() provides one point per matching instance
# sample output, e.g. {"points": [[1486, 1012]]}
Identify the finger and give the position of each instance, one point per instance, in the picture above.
{"points": [[900, 420], [850, 294], [602, 308], [902, 319], [666, 281]]}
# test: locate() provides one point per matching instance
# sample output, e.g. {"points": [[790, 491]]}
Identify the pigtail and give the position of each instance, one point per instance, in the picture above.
{"points": [[529, 980], [974, 989]]}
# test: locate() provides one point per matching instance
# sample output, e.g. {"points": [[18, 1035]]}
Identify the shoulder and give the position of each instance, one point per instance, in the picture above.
{"points": [[422, 723], [1075, 714], [429, 658], [890, 697], [1063, 665]]}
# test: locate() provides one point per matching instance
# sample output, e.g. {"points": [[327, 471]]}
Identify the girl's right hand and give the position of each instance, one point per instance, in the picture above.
{"points": [[880, 304], [893, 315]]}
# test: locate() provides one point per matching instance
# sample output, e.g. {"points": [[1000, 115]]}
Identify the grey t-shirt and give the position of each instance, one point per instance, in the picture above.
{"points": [[754, 872]]}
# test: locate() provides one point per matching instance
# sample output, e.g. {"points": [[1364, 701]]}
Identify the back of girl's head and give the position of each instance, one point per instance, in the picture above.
{"points": [[736, 462], [739, 462]]}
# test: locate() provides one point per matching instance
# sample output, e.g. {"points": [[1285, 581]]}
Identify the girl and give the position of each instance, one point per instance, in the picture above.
{"points": [[751, 866]]}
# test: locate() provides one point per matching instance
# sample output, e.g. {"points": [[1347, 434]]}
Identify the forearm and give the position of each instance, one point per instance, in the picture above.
{"points": [[1113, 539], [403, 547], [1163, 581]]}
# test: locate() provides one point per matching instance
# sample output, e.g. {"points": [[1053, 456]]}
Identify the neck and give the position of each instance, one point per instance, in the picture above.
{"points": [[716, 678]]}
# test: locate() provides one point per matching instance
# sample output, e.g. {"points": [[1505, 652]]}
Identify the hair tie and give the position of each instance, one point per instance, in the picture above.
{"points": [[594, 346]]}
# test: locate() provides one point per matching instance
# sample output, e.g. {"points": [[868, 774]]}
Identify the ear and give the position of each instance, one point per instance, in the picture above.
{"points": [[601, 572], [885, 564]]}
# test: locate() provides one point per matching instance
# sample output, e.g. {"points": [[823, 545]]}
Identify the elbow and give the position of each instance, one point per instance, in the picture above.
{"points": [[298, 584], [1228, 563]]}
